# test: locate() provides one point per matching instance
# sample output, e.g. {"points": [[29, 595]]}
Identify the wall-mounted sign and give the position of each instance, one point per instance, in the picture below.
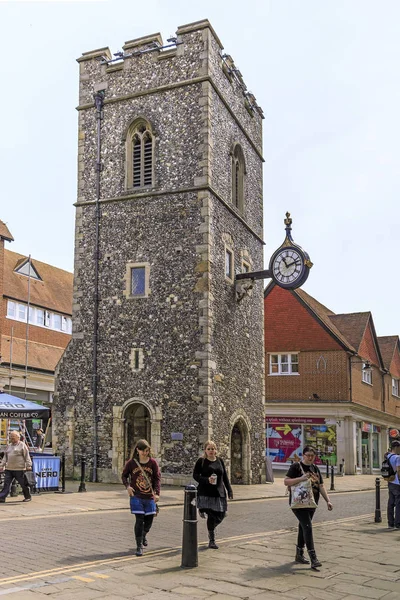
{"points": [[312, 420], [177, 436]]}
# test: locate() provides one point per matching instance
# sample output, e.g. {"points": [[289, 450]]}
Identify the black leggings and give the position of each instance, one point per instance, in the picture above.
{"points": [[305, 535], [143, 525], [214, 518]]}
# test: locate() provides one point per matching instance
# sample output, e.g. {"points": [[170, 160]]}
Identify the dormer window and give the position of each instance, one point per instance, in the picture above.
{"points": [[27, 269], [139, 155]]}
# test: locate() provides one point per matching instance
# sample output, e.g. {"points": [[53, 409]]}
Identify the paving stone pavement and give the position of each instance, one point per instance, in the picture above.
{"points": [[360, 560]]}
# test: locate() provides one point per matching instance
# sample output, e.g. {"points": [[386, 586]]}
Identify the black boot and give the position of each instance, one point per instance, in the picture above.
{"points": [[139, 547], [145, 542], [314, 560], [300, 558], [211, 543]]}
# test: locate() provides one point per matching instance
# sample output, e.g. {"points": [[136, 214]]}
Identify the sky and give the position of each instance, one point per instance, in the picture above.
{"points": [[326, 74]]}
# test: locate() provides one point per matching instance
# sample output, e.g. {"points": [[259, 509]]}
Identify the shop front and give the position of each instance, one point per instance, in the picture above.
{"points": [[352, 438], [371, 441], [287, 436]]}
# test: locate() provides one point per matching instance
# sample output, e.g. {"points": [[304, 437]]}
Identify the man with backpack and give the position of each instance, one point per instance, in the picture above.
{"points": [[393, 508]]}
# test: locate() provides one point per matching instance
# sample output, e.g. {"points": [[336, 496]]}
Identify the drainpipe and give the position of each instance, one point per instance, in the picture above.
{"points": [[99, 103], [351, 385]]}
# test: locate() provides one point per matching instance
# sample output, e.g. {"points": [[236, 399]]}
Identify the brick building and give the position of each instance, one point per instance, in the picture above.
{"points": [[319, 389], [28, 369], [171, 212]]}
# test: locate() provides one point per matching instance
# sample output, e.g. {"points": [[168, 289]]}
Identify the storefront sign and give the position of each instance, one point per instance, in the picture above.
{"points": [[366, 427], [311, 420]]}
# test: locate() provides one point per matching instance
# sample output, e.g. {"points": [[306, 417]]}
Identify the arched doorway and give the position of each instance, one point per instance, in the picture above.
{"points": [[137, 426]]}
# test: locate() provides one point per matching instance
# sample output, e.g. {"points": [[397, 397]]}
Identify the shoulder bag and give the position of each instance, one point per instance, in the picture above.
{"points": [[149, 483], [302, 495]]}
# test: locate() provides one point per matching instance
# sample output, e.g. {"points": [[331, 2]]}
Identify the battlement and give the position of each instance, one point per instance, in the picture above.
{"points": [[148, 63]]}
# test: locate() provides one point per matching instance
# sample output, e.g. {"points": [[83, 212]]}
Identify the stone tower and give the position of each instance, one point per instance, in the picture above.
{"points": [[169, 208]]}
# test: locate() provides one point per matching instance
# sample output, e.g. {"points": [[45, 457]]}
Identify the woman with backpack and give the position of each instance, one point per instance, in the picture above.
{"points": [[141, 477], [306, 471], [392, 477], [214, 484]]}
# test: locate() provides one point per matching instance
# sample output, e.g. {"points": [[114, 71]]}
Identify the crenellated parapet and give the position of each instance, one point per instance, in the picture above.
{"points": [[148, 65]]}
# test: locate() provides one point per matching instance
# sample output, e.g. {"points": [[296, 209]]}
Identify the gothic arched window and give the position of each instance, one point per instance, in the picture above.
{"points": [[139, 155], [238, 173]]}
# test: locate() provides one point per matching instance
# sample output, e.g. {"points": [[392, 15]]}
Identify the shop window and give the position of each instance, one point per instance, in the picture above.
{"points": [[323, 438], [375, 451], [366, 374], [284, 364], [395, 387]]}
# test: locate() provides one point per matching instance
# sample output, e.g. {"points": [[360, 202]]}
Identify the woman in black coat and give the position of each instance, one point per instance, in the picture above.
{"points": [[211, 475]]}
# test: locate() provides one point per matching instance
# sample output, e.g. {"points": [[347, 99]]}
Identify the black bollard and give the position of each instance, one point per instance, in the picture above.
{"points": [[332, 478], [82, 485], [327, 469], [378, 516], [189, 538], [62, 473]]}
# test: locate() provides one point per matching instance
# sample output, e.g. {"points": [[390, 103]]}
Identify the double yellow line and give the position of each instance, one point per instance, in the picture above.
{"points": [[154, 553]]}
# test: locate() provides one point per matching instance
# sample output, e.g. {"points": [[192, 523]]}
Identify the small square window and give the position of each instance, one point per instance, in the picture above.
{"points": [[228, 263], [138, 281]]}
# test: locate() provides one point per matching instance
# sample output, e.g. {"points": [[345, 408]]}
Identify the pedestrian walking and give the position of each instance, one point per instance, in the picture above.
{"points": [[141, 477], [39, 439], [306, 471], [16, 461], [393, 507], [214, 485]]}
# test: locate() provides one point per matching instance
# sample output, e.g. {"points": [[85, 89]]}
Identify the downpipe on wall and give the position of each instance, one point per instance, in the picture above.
{"points": [[99, 103]]}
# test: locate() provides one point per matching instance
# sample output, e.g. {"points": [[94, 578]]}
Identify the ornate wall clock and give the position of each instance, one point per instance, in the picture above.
{"points": [[289, 266]]}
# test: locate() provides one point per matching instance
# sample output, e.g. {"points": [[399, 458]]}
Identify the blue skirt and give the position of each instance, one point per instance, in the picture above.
{"points": [[142, 506]]}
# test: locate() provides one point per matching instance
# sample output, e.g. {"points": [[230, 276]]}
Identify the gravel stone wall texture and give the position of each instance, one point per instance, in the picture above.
{"points": [[201, 369]]}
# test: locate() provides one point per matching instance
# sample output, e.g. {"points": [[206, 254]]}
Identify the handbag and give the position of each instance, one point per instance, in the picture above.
{"points": [[302, 495], [149, 483], [30, 478]]}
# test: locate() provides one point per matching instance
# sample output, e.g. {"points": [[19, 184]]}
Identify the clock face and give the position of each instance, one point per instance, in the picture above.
{"points": [[288, 268]]}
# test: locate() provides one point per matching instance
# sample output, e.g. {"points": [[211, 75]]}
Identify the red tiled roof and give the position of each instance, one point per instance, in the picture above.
{"points": [[387, 346], [5, 232], [53, 292], [325, 315], [40, 356], [352, 326]]}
